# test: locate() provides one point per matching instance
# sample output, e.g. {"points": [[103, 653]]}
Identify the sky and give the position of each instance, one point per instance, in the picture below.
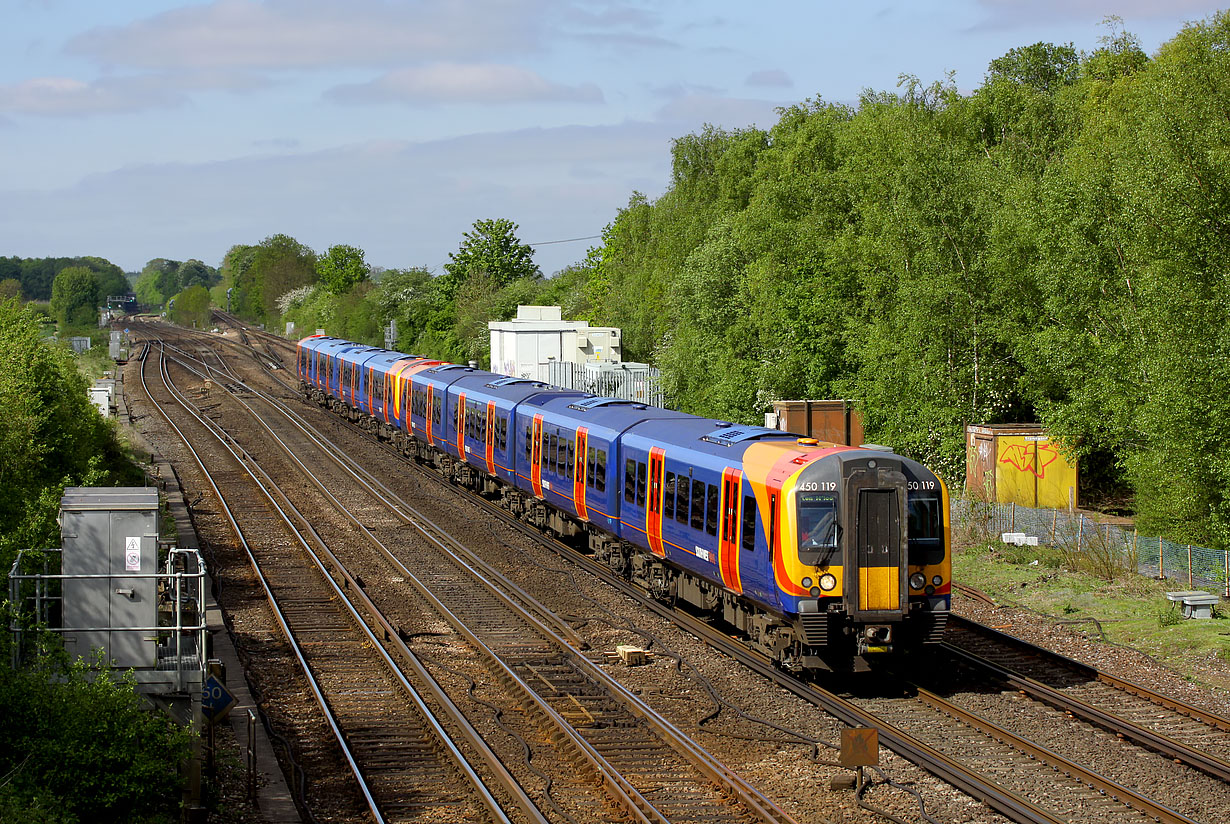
{"points": [[136, 129]]}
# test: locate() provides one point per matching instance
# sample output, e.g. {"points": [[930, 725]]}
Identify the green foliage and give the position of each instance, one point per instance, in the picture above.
{"points": [[10, 288], [341, 268], [50, 434], [192, 307], [74, 298], [491, 250], [1050, 247], [263, 273], [80, 747]]}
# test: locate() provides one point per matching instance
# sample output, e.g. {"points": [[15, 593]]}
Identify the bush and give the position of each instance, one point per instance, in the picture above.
{"points": [[80, 746]]}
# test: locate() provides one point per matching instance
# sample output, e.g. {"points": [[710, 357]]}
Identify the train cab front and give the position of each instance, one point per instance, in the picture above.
{"points": [[872, 554]]}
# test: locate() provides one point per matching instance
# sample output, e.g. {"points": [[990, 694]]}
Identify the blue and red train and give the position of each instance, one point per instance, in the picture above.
{"points": [[820, 554]]}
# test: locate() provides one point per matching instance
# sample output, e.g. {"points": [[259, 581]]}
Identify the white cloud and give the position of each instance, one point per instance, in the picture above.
{"points": [[775, 78], [728, 112], [405, 204], [297, 34], [70, 97], [461, 83], [1012, 13]]}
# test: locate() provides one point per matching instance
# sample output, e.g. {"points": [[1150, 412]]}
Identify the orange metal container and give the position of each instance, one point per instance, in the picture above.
{"points": [[835, 421]]}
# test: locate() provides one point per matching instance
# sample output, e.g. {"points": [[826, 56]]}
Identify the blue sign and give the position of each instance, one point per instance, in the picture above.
{"points": [[216, 701]]}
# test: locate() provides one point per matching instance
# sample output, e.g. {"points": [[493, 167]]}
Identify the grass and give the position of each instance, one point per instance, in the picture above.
{"points": [[1131, 608]]}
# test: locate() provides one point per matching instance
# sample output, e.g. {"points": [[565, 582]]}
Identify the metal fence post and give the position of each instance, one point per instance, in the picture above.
{"points": [[1080, 529], [1012, 518], [1189, 566], [1054, 525], [1161, 572], [1227, 557], [251, 754]]}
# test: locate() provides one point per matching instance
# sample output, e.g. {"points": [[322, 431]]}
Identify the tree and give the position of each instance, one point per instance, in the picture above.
{"points": [[10, 288], [192, 307], [159, 279], [277, 265], [491, 250], [196, 273], [342, 267], [74, 297]]}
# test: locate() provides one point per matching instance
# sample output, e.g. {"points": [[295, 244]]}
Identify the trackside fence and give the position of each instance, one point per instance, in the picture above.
{"points": [[1102, 548]]}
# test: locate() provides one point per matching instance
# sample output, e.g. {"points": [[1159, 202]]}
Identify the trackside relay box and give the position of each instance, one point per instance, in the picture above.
{"points": [[111, 531]]}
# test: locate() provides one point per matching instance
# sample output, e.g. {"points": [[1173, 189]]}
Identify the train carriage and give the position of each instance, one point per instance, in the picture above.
{"points": [[821, 554], [556, 429]]}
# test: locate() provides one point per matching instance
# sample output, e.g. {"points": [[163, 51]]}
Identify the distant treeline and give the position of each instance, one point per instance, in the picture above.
{"points": [[31, 278]]}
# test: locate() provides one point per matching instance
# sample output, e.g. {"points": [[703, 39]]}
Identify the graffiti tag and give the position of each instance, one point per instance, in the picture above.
{"points": [[1022, 457]]}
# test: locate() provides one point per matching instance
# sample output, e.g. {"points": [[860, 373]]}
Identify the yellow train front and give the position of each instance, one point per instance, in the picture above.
{"points": [[865, 565]]}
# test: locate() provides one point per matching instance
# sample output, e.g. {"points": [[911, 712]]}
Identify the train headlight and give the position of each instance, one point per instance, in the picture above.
{"points": [[937, 580], [917, 580], [828, 582], [806, 583], [814, 592]]}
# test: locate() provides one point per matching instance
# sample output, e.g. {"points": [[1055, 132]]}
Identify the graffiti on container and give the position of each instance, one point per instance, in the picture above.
{"points": [[1025, 459]]}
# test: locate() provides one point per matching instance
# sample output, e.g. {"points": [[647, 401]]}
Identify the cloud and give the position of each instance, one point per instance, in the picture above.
{"points": [[674, 91], [461, 83], [728, 112], [297, 34], [405, 204], [65, 96], [1015, 13], [774, 78], [69, 97]]}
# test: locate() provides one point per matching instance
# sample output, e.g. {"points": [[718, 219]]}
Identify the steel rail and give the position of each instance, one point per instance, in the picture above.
{"points": [[1124, 795], [1211, 719], [1145, 737], [279, 616], [717, 772], [472, 735]]}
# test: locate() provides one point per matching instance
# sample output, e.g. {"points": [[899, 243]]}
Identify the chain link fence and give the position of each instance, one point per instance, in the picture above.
{"points": [[1105, 549]]}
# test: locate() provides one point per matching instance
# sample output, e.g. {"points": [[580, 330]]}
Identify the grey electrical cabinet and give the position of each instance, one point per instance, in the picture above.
{"points": [[111, 535]]}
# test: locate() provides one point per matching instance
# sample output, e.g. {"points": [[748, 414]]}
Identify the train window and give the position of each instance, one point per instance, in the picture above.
{"points": [[640, 484], [748, 537], [569, 467], [772, 523], [668, 496], [629, 480], [711, 509], [926, 530], [503, 434], [590, 455], [552, 447], [681, 507], [698, 504], [437, 410], [818, 527], [600, 470], [528, 443]]}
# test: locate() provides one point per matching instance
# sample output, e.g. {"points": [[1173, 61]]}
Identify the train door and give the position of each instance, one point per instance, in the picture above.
{"points": [[536, 456], [578, 473], [728, 530], [461, 425], [653, 507], [878, 543], [430, 410], [489, 437]]}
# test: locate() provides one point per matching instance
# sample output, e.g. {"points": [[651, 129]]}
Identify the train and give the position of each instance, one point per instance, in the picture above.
{"points": [[822, 556]]}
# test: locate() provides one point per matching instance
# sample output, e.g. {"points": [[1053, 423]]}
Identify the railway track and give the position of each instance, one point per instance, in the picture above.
{"points": [[404, 762], [950, 741], [1185, 733], [607, 732]]}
